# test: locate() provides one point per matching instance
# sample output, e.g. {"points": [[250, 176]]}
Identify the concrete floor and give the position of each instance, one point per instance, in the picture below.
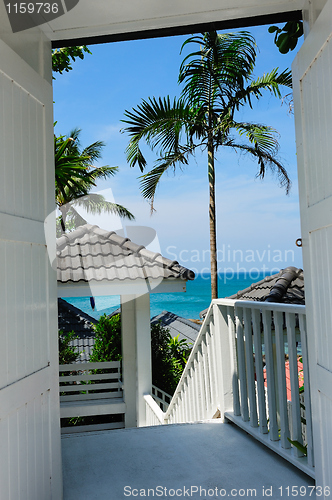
{"points": [[219, 458]]}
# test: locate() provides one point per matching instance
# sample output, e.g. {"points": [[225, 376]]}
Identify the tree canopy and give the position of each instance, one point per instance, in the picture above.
{"points": [[63, 58], [75, 176]]}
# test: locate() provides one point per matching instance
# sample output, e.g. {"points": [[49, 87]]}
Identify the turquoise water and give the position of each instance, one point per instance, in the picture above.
{"points": [[188, 304]]}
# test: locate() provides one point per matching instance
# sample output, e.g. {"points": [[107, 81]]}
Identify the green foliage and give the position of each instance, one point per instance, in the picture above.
{"points": [[108, 339], [169, 357], [299, 446], [286, 38], [63, 58], [67, 354], [217, 81]]}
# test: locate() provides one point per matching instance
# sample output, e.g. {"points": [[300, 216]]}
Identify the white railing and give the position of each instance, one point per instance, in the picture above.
{"points": [[90, 390], [162, 398], [269, 330], [154, 414], [197, 394], [237, 368]]}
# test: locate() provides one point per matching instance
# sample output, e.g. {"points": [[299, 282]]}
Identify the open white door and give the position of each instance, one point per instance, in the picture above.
{"points": [[312, 77], [30, 457]]}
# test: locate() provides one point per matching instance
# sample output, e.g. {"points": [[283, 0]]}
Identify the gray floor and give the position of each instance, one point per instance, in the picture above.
{"points": [[218, 458]]}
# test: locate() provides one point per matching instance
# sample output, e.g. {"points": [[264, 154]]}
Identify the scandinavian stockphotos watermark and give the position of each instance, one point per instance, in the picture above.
{"points": [[82, 212], [25, 15], [233, 263]]}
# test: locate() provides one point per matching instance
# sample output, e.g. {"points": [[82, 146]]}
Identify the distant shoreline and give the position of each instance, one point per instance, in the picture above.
{"points": [[188, 304]]}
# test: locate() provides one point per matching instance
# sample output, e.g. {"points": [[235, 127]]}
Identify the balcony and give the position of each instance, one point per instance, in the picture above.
{"points": [[235, 380], [210, 455]]}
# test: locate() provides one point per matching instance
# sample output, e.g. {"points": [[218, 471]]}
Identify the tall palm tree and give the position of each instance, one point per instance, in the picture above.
{"points": [[75, 176], [217, 80]]}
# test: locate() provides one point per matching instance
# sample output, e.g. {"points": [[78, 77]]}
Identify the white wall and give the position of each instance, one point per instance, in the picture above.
{"points": [[30, 458], [312, 75]]}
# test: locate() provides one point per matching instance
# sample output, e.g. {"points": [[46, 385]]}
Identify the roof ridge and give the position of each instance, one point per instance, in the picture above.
{"points": [[77, 311], [279, 289], [266, 279]]}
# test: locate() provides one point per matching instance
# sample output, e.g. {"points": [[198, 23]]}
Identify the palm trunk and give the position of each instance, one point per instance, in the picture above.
{"points": [[212, 220], [63, 218], [63, 225]]}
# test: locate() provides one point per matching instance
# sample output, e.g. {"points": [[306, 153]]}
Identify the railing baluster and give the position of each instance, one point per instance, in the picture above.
{"points": [[206, 376], [178, 413], [202, 381], [294, 379], [185, 398], [210, 367], [242, 365], [271, 393], [234, 365], [194, 394], [182, 405], [189, 397], [212, 353], [180, 408], [218, 352], [256, 322], [307, 395], [198, 388], [282, 389], [250, 368]]}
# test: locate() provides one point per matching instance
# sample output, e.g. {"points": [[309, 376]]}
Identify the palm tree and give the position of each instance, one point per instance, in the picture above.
{"points": [[217, 80], [75, 176]]}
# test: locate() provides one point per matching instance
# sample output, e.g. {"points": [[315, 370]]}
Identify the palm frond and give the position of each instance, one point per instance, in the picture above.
{"points": [[158, 122], [270, 81], [96, 204], [149, 182], [75, 174], [263, 145], [223, 63]]}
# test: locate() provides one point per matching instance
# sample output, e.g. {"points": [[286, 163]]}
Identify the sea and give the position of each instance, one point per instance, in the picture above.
{"points": [[188, 304]]}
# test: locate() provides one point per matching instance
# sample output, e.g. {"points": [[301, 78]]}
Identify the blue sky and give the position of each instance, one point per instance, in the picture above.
{"points": [[257, 224]]}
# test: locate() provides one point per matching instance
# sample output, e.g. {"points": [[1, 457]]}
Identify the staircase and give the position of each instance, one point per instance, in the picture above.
{"points": [[237, 370]]}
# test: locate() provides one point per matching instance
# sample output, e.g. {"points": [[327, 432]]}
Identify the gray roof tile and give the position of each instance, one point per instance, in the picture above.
{"points": [[186, 329], [90, 253], [71, 318], [293, 288]]}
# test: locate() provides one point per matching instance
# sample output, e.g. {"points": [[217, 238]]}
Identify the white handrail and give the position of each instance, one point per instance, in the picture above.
{"points": [[192, 386], [161, 397], [154, 414]]}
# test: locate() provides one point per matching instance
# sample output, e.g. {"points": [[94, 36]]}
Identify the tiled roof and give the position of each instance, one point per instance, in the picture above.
{"points": [[71, 318], [287, 287], [186, 329], [90, 253]]}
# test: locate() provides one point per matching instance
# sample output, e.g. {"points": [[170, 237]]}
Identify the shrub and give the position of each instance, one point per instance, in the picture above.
{"points": [[169, 357], [67, 353], [108, 339]]}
